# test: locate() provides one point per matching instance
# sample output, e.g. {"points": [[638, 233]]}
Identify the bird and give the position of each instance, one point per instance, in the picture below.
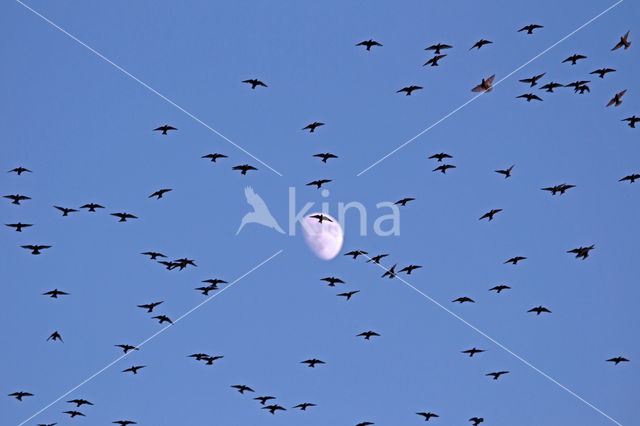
{"points": [[496, 374], [533, 80], [480, 43], [499, 288], [164, 129], [617, 98], [602, 72], [134, 369], [558, 188], [273, 408], [438, 47], [153, 255], [127, 348], [210, 359], [355, 253], [313, 126], [404, 201], [55, 336], [244, 168], [213, 157], [325, 156], [434, 61], [427, 416], [632, 121], [617, 360], [158, 194], [65, 211], [530, 97], [92, 207], [574, 58], [409, 89], [391, 272], [124, 216], [19, 170], [319, 182], [476, 420], [348, 294], [20, 395], [80, 402], [529, 28], [304, 406], [73, 413], [242, 388], [35, 249], [55, 293], [254, 82], [124, 422], [368, 335], [577, 84], [582, 89], [443, 168], [18, 226], [440, 156], [377, 258], [263, 399], [550, 86], [486, 85], [582, 252], [169, 265], [150, 306], [321, 218], [215, 281], [369, 44], [506, 172], [631, 178], [162, 319], [464, 299], [624, 42], [365, 424], [15, 199], [311, 363], [473, 351], [409, 269], [332, 281], [200, 357], [515, 260], [539, 309], [489, 215]]}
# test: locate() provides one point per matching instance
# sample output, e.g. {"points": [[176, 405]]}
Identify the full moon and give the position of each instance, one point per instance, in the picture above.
{"points": [[324, 239]]}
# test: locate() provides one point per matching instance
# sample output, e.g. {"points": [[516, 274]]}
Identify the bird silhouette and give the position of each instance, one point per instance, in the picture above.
{"points": [[124, 422], [409, 269], [631, 178], [390, 273], [617, 360], [55, 293], [368, 334], [530, 97], [17, 198], [244, 168], [464, 299], [348, 294], [124, 216], [74, 413], [313, 126], [254, 82], [532, 81], [273, 408], [134, 369], [164, 129], [160, 193], [478, 44], [434, 62], [506, 172], [325, 156], [529, 28], [80, 402], [319, 182], [153, 255], [499, 288], [369, 44], [632, 123], [539, 309], [377, 259], [440, 156], [489, 215], [242, 388], [321, 218], [582, 252], [427, 416], [162, 319], [404, 201], [602, 72], [355, 253], [150, 306], [409, 89], [473, 351], [304, 406], [486, 85], [19, 170], [496, 375], [443, 168], [624, 42], [562, 188], [65, 211], [311, 363], [574, 58], [515, 260], [332, 281], [550, 86], [127, 348], [55, 336], [617, 99], [35, 249], [91, 207], [213, 157], [260, 214], [438, 47], [18, 226], [263, 399], [20, 395]]}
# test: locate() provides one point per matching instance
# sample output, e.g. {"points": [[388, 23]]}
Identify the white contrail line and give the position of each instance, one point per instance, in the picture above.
{"points": [[500, 345], [148, 339], [145, 85], [496, 84]]}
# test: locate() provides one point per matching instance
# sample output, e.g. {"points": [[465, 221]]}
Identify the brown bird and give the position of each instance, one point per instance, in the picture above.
{"points": [[530, 97], [506, 172], [244, 168], [617, 98], [533, 80], [489, 215], [602, 72], [582, 252], [574, 58], [369, 44], [438, 47], [164, 129], [409, 89], [254, 83], [434, 61], [529, 28], [213, 157], [18, 226], [486, 85], [313, 126], [624, 42], [158, 194]]}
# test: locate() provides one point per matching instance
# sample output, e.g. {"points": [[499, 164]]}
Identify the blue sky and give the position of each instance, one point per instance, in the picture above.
{"points": [[84, 128]]}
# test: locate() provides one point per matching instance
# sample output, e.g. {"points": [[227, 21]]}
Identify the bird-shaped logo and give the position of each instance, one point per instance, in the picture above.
{"points": [[260, 213]]}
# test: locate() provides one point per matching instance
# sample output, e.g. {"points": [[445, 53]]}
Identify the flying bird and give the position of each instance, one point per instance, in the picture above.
{"points": [[242, 388], [244, 168], [529, 28], [304, 406], [355, 253], [480, 43], [476, 420], [506, 172], [369, 44], [515, 260], [313, 126], [35, 249], [158, 194], [254, 83], [409, 269], [617, 360], [533, 80], [539, 309], [624, 42], [530, 97], [162, 319], [127, 348], [273, 408], [558, 188], [617, 98], [19, 170], [124, 216], [391, 272], [55, 336], [440, 156], [550, 86], [632, 121], [134, 369], [213, 157], [404, 201], [496, 375], [65, 211], [443, 168], [376, 259], [332, 281], [73, 413], [574, 58], [434, 61], [325, 156], [164, 129], [20, 395], [409, 89], [15, 199], [438, 47], [464, 299], [92, 207], [263, 399], [321, 218], [124, 422], [473, 351], [18, 226], [150, 306], [368, 335], [427, 416], [486, 85], [499, 288], [602, 72], [80, 402], [55, 293], [631, 178], [489, 215], [582, 252], [312, 362], [348, 294], [319, 182], [153, 255]]}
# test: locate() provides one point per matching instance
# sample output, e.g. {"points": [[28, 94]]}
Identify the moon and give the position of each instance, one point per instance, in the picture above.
{"points": [[324, 239]]}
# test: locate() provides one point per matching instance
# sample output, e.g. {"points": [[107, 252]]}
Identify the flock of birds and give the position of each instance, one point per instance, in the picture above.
{"points": [[267, 402]]}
